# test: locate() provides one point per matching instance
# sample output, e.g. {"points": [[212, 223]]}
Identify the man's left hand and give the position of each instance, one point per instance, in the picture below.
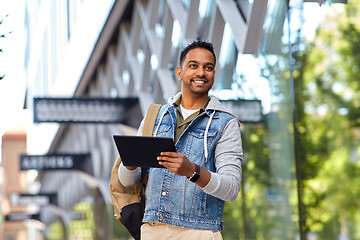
{"points": [[177, 163]]}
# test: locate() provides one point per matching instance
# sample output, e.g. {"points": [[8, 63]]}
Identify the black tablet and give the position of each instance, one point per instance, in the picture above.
{"points": [[142, 151]]}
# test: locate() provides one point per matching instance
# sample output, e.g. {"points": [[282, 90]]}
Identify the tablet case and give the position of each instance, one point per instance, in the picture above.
{"points": [[142, 151]]}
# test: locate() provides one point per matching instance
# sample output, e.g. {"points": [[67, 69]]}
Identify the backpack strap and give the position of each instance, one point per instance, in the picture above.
{"points": [[150, 118]]}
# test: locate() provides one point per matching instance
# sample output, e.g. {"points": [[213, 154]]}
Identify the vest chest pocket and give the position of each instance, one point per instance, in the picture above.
{"points": [[163, 129], [196, 140]]}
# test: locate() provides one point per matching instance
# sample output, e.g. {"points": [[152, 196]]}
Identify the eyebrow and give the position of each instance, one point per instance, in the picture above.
{"points": [[194, 61]]}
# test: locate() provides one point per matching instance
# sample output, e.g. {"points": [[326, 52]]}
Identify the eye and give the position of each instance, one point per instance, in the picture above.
{"points": [[192, 65], [209, 68]]}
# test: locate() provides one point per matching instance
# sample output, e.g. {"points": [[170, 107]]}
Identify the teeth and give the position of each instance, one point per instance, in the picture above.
{"points": [[199, 81]]}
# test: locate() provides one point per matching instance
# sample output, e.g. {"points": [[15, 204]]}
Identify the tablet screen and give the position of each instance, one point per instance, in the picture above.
{"points": [[142, 151]]}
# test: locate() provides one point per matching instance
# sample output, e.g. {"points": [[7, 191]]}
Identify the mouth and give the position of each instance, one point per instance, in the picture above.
{"points": [[199, 81]]}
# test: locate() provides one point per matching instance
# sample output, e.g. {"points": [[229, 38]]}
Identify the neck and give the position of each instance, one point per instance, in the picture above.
{"points": [[193, 102]]}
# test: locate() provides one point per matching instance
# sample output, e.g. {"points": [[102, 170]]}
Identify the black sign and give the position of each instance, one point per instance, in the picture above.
{"points": [[21, 217], [88, 110], [80, 162], [247, 111], [42, 199]]}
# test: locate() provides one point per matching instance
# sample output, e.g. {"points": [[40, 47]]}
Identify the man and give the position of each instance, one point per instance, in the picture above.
{"points": [[185, 200]]}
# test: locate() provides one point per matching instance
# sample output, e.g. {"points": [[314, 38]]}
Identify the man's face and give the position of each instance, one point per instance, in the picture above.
{"points": [[197, 72]]}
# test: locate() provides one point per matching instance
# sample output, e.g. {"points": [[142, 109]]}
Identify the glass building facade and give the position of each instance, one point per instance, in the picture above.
{"points": [[267, 207]]}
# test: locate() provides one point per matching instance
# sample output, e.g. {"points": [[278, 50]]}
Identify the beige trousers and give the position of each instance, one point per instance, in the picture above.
{"points": [[160, 231]]}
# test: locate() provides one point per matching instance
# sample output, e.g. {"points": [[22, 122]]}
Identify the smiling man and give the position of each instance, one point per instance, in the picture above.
{"points": [[185, 200]]}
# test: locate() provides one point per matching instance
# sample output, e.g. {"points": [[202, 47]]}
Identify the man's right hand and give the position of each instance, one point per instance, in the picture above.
{"points": [[131, 168]]}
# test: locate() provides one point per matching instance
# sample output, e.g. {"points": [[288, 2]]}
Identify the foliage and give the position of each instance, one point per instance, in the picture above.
{"points": [[327, 114], [83, 228], [246, 217], [328, 119]]}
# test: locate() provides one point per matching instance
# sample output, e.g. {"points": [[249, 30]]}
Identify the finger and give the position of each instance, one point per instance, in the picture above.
{"points": [[170, 154], [166, 159], [167, 164]]}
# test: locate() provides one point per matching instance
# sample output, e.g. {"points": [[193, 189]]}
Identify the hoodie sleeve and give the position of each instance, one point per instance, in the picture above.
{"points": [[128, 177], [226, 182]]}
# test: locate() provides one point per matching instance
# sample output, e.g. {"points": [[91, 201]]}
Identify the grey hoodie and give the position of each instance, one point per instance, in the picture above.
{"points": [[226, 181]]}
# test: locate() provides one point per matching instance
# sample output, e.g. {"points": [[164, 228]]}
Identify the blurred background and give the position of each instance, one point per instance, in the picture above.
{"points": [[75, 72]]}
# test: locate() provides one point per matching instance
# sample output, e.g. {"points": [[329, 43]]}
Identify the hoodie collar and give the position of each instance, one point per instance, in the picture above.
{"points": [[214, 104], [202, 109]]}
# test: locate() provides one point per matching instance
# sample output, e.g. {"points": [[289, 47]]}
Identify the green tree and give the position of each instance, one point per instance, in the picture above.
{"points": [[256, 182], [327, 92], [246, 217]]}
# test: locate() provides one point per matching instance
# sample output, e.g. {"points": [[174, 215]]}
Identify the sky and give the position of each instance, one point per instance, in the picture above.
{"points": [[12, 87]]}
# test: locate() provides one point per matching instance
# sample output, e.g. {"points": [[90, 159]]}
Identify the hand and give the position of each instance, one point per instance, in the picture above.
{"points": [[177, 163], [131, 168]]}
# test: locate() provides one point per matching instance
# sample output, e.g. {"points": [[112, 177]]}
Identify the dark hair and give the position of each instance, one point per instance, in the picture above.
{"points": [[197, 44]]}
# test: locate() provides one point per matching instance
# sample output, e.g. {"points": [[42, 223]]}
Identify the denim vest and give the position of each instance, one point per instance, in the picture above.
{"points": [[173, 199]]}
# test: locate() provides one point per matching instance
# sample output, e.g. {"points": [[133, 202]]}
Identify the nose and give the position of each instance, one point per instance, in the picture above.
{"points": [[200, 72]]}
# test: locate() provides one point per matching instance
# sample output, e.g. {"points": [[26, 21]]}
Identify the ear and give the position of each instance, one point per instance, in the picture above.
{"points": [[178, 73]]}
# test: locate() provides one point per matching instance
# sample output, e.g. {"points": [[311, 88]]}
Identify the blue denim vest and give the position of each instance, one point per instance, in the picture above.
{"points": [[173, 199]]}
